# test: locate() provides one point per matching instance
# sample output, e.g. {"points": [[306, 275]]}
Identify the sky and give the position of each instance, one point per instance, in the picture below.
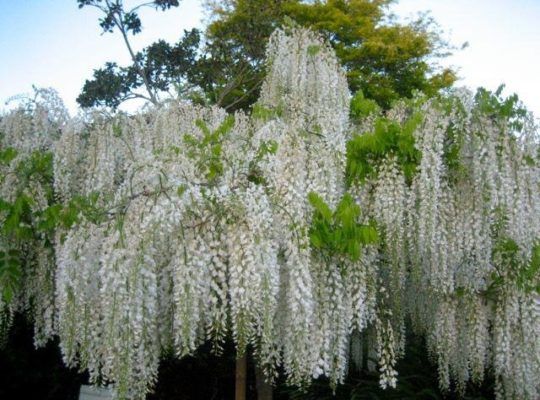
{"points": [[503, 39], [51, 43]]}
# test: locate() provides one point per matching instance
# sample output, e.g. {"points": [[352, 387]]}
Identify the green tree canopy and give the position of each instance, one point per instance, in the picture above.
{"points": [[164, 67], [384, 59], [151, 67]]}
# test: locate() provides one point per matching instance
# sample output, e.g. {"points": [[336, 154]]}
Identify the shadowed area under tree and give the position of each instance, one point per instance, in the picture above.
{"points": [[27, 373]]}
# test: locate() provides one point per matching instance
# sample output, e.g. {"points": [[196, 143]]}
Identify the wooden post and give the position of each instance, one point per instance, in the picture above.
{"points": [[241, 377], [264, 389]]}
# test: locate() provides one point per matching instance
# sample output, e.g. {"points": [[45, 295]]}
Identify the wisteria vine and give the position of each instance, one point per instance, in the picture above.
{"points": [[290, 230]]}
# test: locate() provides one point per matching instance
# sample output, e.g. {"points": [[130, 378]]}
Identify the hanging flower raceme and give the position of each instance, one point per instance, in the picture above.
{"points": [[453, 185], [27, 217]]}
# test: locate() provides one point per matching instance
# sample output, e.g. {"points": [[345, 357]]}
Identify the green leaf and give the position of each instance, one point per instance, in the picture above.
{"points": [[315, 239], [10, 273], [318, 203], [339, 232], [203, 127], [226, 126], [368, 234], [361, 107], [117, 130], [313, 50], [181, 190], [7, 155], [367, 150]]}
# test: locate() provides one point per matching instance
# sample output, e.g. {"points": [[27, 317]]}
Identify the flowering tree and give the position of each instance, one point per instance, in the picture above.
{"points": [[453, 185], [185, 224]]}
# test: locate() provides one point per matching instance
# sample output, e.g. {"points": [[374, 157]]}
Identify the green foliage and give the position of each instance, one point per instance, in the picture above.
{"points": [[24, 220], [525, 274], [497, 107], [78, 208], [38, 167], [362, 107], [157, 67], [265, 114], [266, 147], [181, 189], [206, 152], [452, 153], [384, 59], [165, 66], [232, 68], [110, 86], [339, 232], [10, 273], [7, 155], [17, 218], [529, 275], [455, 134], [365, 152], [313, 50], [18, 215], [508, 112]]}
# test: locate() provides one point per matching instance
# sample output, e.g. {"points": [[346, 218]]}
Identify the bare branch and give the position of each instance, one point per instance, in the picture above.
{"points": [[117, 19], [147, 4]]}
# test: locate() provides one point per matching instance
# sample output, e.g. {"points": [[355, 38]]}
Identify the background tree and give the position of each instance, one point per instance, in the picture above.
{"points": [[151, 68], [233, 62], [383, 58]]}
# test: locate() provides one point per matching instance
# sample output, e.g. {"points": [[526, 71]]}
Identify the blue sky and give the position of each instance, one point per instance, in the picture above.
{"points": [[53, 43], [503, 38]]}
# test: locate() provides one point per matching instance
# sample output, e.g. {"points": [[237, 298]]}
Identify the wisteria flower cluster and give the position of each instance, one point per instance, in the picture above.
{"points": [[156, 232], [460, 250]]}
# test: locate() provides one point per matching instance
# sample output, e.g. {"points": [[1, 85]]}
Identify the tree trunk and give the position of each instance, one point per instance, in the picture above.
{"points": [[241, 374], [264, 389]]}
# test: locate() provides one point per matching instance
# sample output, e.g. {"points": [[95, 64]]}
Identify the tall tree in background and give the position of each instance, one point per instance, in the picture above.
{"points": [[233, 64], [151, 69], [384, 59]]}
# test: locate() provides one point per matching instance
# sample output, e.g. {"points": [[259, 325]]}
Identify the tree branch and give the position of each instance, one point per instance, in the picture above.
{"points": [[117, 18], [147, 4]]}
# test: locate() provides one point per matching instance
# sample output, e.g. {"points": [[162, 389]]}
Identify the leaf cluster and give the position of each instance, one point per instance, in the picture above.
{"points": [[524, 274], [18, 216], [339, 232], [384, 59], [366, 152], [10, 273], [360, 107], [207, 151], [264, 113], [497, 107], [7, 155], [23, 221]]}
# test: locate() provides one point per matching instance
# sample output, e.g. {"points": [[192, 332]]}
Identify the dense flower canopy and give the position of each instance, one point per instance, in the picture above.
{"points": [[130, 236]]}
